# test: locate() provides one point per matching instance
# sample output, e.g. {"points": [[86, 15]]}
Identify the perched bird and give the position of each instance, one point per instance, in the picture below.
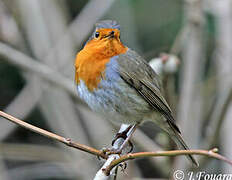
{"points": [[118, 83]]}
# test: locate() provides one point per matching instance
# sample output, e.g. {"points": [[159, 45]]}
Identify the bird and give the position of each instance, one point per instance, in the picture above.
{"points": [[119, 84]]}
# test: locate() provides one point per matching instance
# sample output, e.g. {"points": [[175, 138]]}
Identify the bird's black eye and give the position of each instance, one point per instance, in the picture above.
{"points": [[97, 34]]}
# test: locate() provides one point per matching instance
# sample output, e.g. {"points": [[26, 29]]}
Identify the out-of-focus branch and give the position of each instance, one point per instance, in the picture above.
{"points": [[221, 116], [179, 40], [44, 170], [53, 136], [218, 116], [91, 13], [222, 10], [9, 31], [22, 104], [25, 62], [190, 104], [3, 170], [20, 151], [12, 35]]}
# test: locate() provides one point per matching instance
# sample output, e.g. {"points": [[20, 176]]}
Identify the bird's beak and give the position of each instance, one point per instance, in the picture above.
{"points": [[110, 35]]}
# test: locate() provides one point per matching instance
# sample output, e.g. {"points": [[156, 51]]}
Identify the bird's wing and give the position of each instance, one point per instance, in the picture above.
{"points": [[134, 70]]}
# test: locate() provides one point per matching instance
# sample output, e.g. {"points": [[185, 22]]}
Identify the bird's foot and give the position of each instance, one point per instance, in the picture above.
{"points": [[123, 166], [104, 152], [109, 151], [118, 145], [124, 136]]}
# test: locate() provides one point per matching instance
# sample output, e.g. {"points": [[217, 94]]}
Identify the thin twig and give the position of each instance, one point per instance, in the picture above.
{"points": [[211, 153], [53, 136]]}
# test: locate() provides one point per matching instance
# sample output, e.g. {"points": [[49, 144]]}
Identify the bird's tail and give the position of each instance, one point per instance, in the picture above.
{"points": [[181, 144]]}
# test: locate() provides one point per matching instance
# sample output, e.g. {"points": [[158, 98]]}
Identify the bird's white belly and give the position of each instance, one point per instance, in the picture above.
{"points": [[115, 101]]}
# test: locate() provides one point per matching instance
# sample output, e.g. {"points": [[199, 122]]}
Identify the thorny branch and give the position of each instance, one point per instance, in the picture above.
{"points": [[211, 153]]}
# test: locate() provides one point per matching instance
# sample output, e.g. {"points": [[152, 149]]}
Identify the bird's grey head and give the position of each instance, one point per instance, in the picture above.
{"points": [[104, 24], [107, 24]]}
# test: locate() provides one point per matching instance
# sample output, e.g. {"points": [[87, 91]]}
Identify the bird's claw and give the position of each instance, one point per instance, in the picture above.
{"points": [[109, 151], [103, 151], [123, 166], [122, 135], [131, 146]]}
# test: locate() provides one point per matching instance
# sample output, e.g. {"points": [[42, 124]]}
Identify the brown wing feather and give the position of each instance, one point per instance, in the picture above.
{"points": [[139, 75]]}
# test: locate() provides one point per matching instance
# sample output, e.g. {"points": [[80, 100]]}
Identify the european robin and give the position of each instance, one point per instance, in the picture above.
{"points": [[118, 83]]}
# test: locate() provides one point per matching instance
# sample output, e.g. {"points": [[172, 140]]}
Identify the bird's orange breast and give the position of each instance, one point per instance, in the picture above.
{"points": [[91, 61]]}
